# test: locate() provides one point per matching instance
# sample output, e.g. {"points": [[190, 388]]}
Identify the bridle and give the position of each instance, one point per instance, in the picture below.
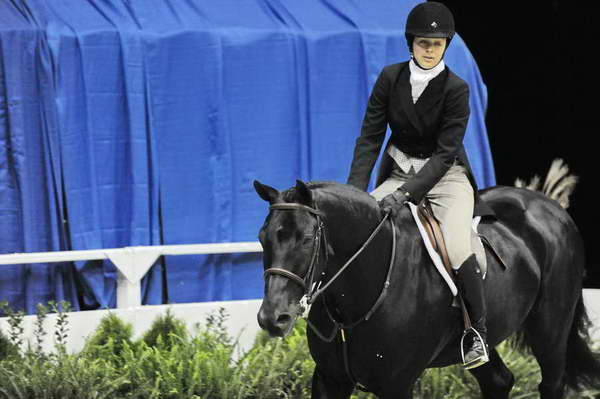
{"points": [[311, 288], [305, 282]]}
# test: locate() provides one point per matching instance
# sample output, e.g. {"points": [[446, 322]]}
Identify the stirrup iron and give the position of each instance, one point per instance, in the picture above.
{"points": [[477, 361]]}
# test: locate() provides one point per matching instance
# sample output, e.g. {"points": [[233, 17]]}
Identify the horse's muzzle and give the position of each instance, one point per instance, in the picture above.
{"points": [[276, 322]]}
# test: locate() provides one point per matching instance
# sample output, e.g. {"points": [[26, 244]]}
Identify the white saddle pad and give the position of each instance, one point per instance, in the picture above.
{"points": [[476, 244]]}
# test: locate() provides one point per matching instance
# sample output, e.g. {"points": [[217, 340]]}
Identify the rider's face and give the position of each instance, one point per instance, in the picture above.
{"points": [[428, 51]]}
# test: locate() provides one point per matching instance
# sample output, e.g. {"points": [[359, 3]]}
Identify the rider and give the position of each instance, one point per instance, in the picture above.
{"points": [[427, 107]]}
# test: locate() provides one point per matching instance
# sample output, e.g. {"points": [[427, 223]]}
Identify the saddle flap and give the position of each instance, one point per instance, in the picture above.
{"points": [[434, 232]]}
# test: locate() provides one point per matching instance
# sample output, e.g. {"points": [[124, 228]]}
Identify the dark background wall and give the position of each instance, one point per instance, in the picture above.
{"points": [[538, 62]]}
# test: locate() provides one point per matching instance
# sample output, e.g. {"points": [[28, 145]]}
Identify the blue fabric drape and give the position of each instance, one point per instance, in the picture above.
{"points": [[144, 122]]}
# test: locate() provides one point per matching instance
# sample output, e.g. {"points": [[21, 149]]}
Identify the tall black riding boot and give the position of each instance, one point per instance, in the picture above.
{"points": [[470, 286]]}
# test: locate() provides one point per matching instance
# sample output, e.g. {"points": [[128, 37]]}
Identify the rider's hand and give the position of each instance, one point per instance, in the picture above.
{"points": [[393, 202]]}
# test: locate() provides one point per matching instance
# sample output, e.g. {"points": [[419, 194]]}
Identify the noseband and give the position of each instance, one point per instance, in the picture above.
{"points": [[305, 282]]}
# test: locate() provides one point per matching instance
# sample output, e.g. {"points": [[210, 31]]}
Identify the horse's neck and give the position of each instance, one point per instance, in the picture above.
{"points": [[347, 221], [361, 283]]}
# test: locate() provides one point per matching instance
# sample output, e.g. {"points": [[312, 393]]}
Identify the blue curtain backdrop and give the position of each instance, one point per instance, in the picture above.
{"points": [[144, 122]]}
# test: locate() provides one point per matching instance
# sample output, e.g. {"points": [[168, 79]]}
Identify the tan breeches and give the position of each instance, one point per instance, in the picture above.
{"points": [[452, 202]]}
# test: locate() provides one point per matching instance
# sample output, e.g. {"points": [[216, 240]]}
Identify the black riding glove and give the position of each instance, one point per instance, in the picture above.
{"points": [[393, 202]]}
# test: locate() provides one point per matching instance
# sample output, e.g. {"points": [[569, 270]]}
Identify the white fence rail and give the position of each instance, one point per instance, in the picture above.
{"points": [[132, 263]]}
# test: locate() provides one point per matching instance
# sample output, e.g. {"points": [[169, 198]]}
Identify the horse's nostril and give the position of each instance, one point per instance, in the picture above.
{"points": [[284, 318]]}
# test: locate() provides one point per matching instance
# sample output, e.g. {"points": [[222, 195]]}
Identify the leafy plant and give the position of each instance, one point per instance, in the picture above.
{"points": [[62, 323], [165, 331], [110, 339], [39, 332], [6, 347], [15, 323], [187, 367], [277, 368], [62, 376], [201, 365]]}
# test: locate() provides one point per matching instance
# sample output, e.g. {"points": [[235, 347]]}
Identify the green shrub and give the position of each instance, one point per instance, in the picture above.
{"points": [[172, 364], [165, 331], [58, 377], [199, 367], [109, 340], [279, 368]]}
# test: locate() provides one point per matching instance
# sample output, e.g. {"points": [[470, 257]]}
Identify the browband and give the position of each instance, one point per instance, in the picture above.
{"points": [[292, 206]]}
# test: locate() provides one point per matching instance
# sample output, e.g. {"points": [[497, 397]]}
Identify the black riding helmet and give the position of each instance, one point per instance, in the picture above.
{"points": [[430, 19]]}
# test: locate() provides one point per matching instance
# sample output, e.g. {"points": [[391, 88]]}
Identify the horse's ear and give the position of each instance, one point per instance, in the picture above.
{"points": [[303, 193], [265, 192]]}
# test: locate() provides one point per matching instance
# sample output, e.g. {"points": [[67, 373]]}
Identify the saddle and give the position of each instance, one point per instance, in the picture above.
{"points": [[434, 233]]}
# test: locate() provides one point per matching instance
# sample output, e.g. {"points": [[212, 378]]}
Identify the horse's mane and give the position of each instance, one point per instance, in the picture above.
{"points": [[344, 197]]}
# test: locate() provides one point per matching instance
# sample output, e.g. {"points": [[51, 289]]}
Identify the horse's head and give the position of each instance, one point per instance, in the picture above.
{"points": [[291, 238]]}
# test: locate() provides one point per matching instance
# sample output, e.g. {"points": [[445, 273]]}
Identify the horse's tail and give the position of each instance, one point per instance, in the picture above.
{"points": [[583, 365], [559, 183]]}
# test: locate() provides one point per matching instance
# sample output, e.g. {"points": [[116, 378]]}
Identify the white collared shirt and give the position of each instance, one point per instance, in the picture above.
{"points": [[419, 79]]}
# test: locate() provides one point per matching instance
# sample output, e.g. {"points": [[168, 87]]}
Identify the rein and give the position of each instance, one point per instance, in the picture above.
{"points": [[373, 234], [339, 326], [311, 291]]}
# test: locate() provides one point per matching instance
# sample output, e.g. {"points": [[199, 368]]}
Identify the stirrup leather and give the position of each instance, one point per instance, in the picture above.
{"points": [[479, 360]]}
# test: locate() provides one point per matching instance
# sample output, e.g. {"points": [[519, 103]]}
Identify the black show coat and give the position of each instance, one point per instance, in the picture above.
{"points": [[433, 127]]}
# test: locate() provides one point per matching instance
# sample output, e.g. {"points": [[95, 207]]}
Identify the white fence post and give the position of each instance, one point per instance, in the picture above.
{"points": [[132, 264], [129, 295]]}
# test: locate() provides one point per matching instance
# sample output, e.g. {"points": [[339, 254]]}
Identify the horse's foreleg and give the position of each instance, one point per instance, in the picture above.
{"points": [[494, 378], [329, 388]]}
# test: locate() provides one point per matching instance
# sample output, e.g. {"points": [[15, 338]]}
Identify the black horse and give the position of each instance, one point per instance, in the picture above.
{"points": [[319, 226]]}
